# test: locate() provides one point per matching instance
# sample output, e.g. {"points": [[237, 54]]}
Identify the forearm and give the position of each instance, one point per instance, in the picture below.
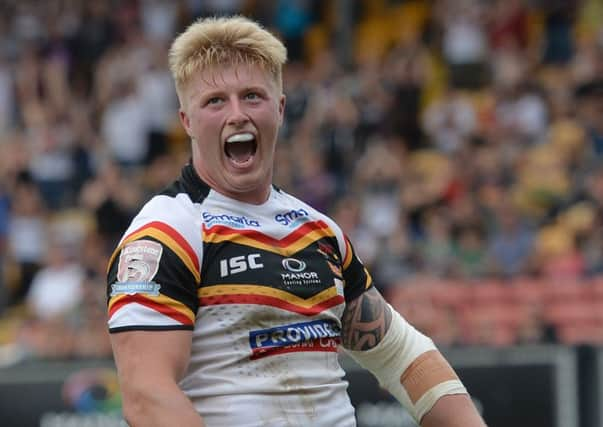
{"points": [[152, 406], [406, 363], [465, 413]]}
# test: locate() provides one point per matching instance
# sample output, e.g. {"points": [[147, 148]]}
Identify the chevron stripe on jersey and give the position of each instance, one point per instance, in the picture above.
{"points": [[170, 238], [165, 305], [293, 242], [266, 295]]}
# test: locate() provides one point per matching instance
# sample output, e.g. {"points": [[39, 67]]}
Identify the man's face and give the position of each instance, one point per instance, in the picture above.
{"points": [[233, 115]]}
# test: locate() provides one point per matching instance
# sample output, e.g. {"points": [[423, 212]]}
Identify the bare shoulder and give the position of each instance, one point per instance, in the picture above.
{"points": [[365, 321]]}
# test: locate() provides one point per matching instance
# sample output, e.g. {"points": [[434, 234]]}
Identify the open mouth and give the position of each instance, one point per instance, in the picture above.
{"points": [[241, 147]]}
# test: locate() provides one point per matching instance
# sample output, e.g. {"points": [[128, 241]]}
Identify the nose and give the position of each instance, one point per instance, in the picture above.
{"points": [[237, 116]]}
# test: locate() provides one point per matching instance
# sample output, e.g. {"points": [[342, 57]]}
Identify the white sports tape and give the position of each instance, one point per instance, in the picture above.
{"points": [[409, 366]]}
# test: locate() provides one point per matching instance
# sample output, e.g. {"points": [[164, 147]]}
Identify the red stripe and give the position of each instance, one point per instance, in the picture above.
{"points": [[271, 301], [163, 309], [273, 351], [174, 235], [295, 235], [119, 304]]}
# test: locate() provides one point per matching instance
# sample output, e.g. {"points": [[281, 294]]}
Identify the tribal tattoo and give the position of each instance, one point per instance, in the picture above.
{"points": [[365, 321]]}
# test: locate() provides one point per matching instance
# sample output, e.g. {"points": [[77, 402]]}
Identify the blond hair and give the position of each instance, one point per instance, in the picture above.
{"points": [[210, 42]]}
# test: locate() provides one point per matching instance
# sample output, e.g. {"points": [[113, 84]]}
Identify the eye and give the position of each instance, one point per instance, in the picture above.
{"points": [[252, 96], [213, 100]]}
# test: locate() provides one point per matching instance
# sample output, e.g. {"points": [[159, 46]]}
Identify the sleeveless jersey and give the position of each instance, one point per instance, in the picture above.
{"points": [[262, 287]]}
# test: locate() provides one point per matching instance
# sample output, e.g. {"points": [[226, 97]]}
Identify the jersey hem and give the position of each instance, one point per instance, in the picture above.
{"points": [[150, 328]]}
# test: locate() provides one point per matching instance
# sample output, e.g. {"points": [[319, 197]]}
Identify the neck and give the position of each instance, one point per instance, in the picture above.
{"points": [[255, 196], [249, 197]]}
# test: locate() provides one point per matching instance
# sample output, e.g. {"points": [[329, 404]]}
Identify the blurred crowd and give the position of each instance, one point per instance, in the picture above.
{"points": [[459, 144]]}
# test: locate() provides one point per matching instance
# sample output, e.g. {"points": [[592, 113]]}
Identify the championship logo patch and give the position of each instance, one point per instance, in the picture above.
{"points": [[138, 264]]}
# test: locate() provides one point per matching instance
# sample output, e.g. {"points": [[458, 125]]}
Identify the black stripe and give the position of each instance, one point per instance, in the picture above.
{"points": [[217, 255], [189, 183], [355, 278]]}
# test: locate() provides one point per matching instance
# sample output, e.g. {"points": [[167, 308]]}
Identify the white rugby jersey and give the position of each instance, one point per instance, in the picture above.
{"points": [[263, 288]]}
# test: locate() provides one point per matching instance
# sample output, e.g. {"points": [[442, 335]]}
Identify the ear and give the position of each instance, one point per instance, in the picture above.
{"points": [[281, 107], [186, 123]]}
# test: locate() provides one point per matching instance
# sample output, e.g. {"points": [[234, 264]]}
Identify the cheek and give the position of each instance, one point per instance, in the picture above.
{"points": [[270, 120], [204, 123]]}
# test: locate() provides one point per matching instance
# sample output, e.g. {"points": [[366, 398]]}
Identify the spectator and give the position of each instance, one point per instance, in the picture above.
{"points": [[510, 243], [27, 235], [111, 198], [159, 102], [558, 48], [469, 251], [56, 288], [464, 134], [435, 245], [465, 43], [450, 121], [589, 101], [125, 126]]}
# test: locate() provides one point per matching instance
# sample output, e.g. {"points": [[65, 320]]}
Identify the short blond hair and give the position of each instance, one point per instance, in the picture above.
{"points": [[235, 40]]}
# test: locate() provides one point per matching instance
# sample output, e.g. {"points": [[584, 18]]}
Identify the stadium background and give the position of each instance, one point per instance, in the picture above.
{"points": [[459, 143]]}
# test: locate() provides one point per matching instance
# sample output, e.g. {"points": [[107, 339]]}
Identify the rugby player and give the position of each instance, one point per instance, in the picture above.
{"points": [[228, 298]]}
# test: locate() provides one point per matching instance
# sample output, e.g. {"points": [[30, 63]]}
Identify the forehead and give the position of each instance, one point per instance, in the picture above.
{"points": [[235, 75]]}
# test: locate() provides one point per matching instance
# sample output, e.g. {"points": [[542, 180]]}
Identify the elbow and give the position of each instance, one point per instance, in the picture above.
{"points": [[136, 406]]}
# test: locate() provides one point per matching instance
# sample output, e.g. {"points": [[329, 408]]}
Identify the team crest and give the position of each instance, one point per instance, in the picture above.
{"points": [[138, 264]]}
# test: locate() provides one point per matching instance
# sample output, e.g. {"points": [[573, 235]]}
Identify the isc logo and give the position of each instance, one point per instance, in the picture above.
{"points": [[238, 264]]}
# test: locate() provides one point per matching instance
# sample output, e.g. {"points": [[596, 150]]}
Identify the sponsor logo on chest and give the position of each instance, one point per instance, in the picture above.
{"points": [[292, 217], [239, 264], [230, 220], [296, 275], [318, 335]]}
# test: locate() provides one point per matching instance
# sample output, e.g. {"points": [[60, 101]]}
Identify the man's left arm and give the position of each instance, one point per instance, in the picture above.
{"points": [[406, 363]]}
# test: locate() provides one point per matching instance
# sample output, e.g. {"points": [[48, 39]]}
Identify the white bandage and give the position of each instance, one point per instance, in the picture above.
{"points": [[409, 366]]}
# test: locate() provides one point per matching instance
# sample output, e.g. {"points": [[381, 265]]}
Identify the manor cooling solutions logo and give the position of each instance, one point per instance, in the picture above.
{"points": [[296, 275]]}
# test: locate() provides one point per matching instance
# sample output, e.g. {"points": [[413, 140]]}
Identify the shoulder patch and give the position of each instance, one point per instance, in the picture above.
{"points": [[138, 265]]}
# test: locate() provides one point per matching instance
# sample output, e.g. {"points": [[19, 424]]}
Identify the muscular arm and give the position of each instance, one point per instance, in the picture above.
{"points": [[149, 365], [365, 322]]}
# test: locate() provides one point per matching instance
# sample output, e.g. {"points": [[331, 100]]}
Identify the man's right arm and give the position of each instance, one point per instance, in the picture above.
{"points": [[149, 365]]}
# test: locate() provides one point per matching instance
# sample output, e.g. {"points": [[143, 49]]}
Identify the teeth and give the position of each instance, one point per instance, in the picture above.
{"points": [[241, 137]]}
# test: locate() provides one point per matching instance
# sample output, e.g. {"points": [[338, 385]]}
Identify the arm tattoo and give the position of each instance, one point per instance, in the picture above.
{"points": [[365, 321]]}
